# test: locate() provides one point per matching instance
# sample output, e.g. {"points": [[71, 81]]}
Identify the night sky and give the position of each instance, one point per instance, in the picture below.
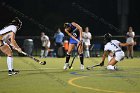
{"points": [[48, 15]]}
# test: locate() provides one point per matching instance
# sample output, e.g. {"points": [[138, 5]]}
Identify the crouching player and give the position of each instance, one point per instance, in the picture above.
{"points": [[75, 33], [115, 53], [7, 38]]}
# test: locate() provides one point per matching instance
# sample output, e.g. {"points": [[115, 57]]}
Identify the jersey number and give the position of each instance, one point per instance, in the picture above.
{"points": [[114, 45], [74, 34]]}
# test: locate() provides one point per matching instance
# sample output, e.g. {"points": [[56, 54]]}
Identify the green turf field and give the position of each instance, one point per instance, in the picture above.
{"points": [[51, 78]]}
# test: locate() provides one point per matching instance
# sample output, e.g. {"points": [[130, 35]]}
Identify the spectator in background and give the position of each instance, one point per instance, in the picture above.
{"points": [[59, 36], [86, 39], [45, 45], [130, 39]]}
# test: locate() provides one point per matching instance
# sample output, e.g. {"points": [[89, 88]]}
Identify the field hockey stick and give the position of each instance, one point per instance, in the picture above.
{"points": [[89, 68], [35, 59], [74, 58], [101, 64]]}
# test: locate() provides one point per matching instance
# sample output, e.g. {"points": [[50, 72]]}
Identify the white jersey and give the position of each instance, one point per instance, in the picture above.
{"points": [[4, 33], [45, 40], [86, 37], [112, 46], [130, 39]]}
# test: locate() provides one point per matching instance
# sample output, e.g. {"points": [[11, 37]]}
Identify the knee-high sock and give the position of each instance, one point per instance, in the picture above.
{"points": [[67, 58], [81, 59], [10, 63], [87, 53], [46, 53], [87, 50], [42, 53]]}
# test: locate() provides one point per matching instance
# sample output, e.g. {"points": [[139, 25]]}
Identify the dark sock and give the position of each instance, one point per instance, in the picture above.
{"points": [[67, 58], [81, 59]]}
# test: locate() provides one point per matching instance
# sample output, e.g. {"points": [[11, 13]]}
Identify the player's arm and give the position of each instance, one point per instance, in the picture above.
{"points": [[13, 42], [89, 36], [125, 44], [71, 35], [47, 41], [103, 58], [79, 29]]}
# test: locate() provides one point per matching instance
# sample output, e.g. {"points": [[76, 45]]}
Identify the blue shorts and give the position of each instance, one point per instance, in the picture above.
{"points": [[73, 41]]}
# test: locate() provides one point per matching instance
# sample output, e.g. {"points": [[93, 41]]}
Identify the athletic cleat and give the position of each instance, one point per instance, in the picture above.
{"points": [[66, 66], [115, 68], [13, 72], [10, 73], [82, 67]]}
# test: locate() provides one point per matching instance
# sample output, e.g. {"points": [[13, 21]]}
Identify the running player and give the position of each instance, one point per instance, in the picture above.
{"points": [[75, 33], [45, 45], [7, 38], [115, 53]]}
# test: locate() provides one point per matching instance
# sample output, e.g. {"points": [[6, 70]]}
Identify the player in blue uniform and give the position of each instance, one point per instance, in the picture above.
{"points": [[75, 33]]}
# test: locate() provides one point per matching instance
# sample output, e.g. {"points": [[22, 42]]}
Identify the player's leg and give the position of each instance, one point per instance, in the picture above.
{"points": [[118, 57], [80, 52], [71, 47], [47, 49], [42, 51], [7, 50], [86, 46], [111, 64], [110, 56], [131, 51], [84, 49], [46, 53], [128, 51]]}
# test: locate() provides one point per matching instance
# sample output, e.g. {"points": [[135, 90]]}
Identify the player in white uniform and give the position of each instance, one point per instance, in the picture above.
{"points": [[7, 38], [86, 40], [115, 53], [130, 39], [45, 45]]}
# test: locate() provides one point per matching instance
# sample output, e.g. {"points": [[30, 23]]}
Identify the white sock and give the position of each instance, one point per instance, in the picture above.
{"points": [[88, 55], [85, 54], [46, 53], [42, 52], [87, 50], [110, 67], [10, 63]]}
